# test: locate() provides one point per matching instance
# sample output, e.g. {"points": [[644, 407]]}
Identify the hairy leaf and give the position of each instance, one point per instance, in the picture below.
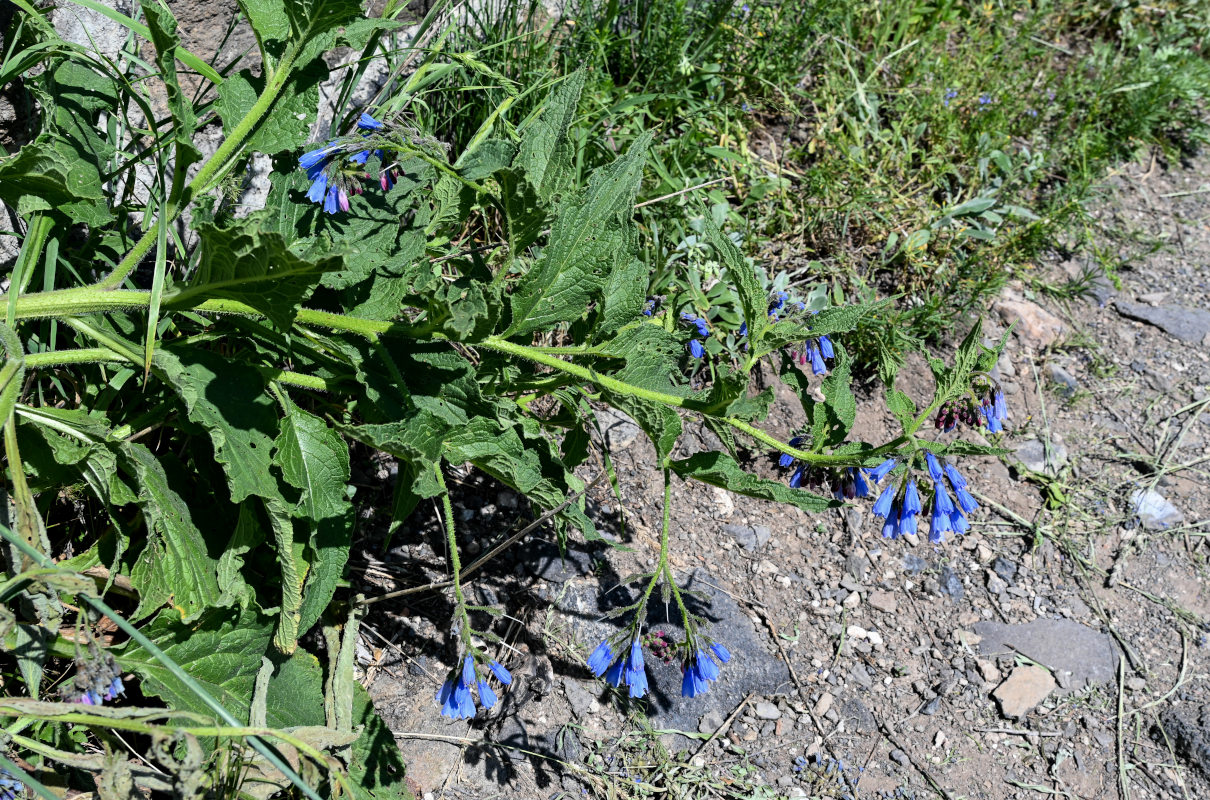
{"points": [[720, 469], [546, 149]]}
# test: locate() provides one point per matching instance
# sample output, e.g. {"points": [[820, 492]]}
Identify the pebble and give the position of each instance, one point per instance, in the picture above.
{"points": [[884, 601], [1154, 510], [900, 757], [711, 722], [913, 565], [951, 584], [1004, 568], [767, 711], [823, 704], [1024, 689]]}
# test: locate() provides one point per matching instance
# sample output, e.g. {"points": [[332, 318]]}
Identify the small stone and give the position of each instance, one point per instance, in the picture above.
{"points": [[931, 707], [951, 584], [857, 566], [900, 758], [749, 537], [856, 632], [1004, 568], [767, 711], [939, 739], [1136, 684], [913, 565], [1065, 379], [619, 428], [995, 584], [988, 670], [1035, 457], [874, 638], [884, 601], [852, 601], [1036, 327], [1024, 689], [724, 506], [711, 722], [823, 704]]}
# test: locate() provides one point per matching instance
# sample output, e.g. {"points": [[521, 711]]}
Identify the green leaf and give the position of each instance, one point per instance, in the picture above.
{"points": [[720, 469], [592, 234], [267, 18], [242, 263], [228, 400], [488, 158], [315, 460], [174, 565], [291, 557], [661, 423], [840, 404], [899, 404], [546, 149], [288, 123], [48, 173], [752, 297]]}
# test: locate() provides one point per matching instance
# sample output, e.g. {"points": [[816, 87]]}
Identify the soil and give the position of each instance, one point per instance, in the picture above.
{"points": [[915, 666]]}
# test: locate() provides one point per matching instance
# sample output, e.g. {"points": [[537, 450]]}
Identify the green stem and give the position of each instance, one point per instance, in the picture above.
{"points": [[451, 538]]}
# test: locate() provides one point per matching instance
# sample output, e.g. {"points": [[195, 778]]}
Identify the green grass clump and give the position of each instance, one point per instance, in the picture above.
{"points": [[930, 151]]}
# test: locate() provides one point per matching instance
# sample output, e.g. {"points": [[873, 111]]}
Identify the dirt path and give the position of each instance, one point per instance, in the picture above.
{"points": [[1058, 643]]}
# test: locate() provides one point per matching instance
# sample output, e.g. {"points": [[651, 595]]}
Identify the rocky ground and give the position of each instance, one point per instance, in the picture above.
{"points": [[1058, 649]]}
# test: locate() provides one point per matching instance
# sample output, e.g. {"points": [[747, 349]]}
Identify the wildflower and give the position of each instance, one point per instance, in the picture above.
{"points": [[700, 669], [879, 472], [486, 696], [950, 94], [97, 680], [899, 521], [850, 483], [743, 329], [955, 411], [600, 659], [503, 675], [628, 667], [994, 410], [946, 516], [777, 304], [815, 351], [10, 787], [786, 459], [702, 330]]}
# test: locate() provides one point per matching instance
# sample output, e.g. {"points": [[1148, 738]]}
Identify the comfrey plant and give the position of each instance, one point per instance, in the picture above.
{"points": [[178, 405]]}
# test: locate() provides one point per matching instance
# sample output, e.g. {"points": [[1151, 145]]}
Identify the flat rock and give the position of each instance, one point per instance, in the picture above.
{"points": [[749, 537], [1153, 510], [619, 428], [767, 711], [884, 601], [1033, 456], [1059, 644], [752, 670], [1186, 324], [1024, 689], [1036, 327]]}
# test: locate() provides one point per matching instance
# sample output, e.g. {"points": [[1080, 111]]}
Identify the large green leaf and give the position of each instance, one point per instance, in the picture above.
{"points": [[593, 235], [314, 460], [720, 469], [228, 400], [753, 299], [546, 149], [240, 262], [163, 29], [174, 565]]}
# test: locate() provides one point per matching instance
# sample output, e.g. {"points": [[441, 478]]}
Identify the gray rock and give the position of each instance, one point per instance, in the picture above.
{"points": [[951, 584], [1033, 455], [858, 716], [1004, 568], [1186, 324], [1064, 379], [1154, 510], [618, 427], [579, 698], [857, 566], [767, 711], [711, 722], [92, 30], [900, 758], [1058, 644], [1101, 290], [749, 537], [913, 565], [1189, 734], [931, 707], [549, 564], [752, 670]]}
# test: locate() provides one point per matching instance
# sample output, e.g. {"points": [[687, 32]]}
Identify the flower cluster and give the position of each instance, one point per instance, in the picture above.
{"points": [[701, 331], [898, 506], [985, 407], [625, 666], [328, 168], [946, 516], [700, 669], [661, 646], [652, 305], [10, 787], [97, 681], [455, 697]]}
